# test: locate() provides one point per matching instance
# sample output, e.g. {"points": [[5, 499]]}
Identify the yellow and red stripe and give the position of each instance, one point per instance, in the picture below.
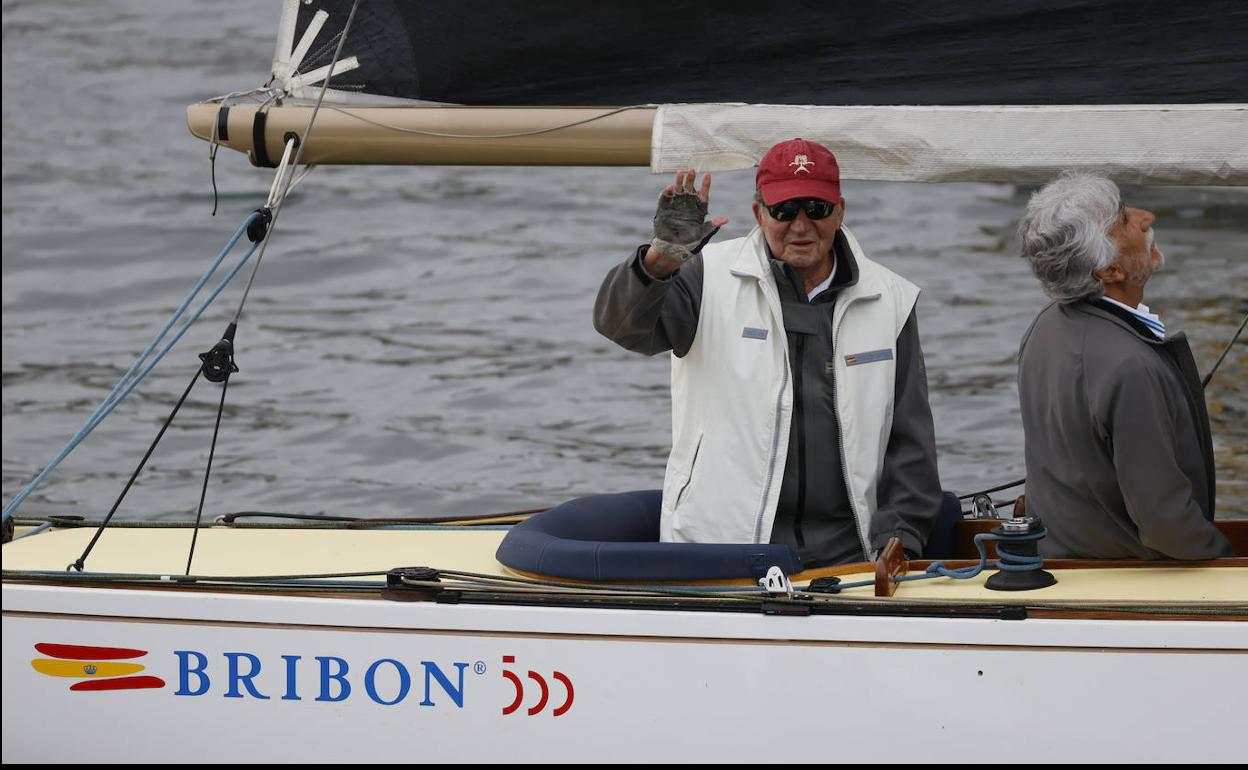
{"points": [[97, 666]]}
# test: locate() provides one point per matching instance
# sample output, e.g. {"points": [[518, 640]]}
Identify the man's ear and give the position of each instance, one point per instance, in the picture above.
{"points": [[758, 214], [1111, 274]]}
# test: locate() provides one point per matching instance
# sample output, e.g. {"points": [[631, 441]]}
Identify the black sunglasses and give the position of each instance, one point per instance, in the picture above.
{"points": [[815, 208]]}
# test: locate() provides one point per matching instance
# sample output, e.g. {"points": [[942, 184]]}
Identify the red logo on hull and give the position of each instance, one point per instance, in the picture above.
{"points": [[544, 697]]}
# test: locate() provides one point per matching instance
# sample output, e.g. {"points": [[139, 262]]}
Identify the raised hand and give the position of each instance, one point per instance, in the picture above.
{"points": [[680, 225]]}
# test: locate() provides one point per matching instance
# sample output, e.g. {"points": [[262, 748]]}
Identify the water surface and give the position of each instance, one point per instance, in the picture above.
{"points": [[418, 341]]}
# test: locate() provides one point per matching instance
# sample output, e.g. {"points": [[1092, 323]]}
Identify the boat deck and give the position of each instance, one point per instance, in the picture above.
{"points": [[256, 552]]}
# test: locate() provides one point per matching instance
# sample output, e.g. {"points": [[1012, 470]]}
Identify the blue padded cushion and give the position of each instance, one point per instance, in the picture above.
{"points": [[615, 537]]}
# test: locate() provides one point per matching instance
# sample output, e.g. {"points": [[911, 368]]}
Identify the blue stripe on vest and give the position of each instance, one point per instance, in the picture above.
{"points": [[750, 333], [854, 359]]}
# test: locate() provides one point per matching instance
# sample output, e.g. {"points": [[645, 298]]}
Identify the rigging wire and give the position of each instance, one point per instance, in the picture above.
{"points": [[1205, 382], [997, 488], [138, 371], [542, 583], [212, 450], [133, 376], [80, 564], [282, 181], [303, 143], [511, 135], [340, 583], [224, 99]]}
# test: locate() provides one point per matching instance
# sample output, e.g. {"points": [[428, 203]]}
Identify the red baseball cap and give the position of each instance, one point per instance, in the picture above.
{"points": [[798, 169]]}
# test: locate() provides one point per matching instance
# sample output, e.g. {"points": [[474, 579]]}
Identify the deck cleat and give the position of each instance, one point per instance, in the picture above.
{"points": [[776, 583]]}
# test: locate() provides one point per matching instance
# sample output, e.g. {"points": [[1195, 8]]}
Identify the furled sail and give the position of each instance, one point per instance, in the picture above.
{"points": [[1149, 91]]}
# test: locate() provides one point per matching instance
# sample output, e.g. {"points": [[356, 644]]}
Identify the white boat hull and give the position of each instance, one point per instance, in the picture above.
{"points": [[352, 679]]}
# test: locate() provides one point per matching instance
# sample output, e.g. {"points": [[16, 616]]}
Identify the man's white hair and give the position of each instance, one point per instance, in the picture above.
{"points": [[1065, 234]]}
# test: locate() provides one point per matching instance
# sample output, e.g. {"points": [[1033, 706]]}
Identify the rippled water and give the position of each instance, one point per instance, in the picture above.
{"points": [[418, 341]]}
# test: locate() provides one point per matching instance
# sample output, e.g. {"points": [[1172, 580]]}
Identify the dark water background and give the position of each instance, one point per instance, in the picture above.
{"points": [[418, 341]]}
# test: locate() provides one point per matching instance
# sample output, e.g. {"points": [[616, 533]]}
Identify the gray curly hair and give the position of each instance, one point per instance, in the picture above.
{"points": [[1065, 234]]}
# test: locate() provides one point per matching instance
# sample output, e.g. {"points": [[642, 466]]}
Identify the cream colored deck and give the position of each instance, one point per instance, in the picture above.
{"points": [[262, 552], [238, 552]]}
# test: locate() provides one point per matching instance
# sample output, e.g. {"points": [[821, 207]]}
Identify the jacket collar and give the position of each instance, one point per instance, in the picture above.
{"points": [[1119, 316], [754, 259], [751, 258]]}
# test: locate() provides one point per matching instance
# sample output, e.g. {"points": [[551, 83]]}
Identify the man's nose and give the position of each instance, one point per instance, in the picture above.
{"points": [[1146, 218], [801, 221]]}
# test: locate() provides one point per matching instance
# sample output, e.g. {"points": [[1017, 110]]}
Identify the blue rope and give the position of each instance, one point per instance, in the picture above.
{"points": [[858, 584], [35, 531], [129, 381], [1007, 561]]}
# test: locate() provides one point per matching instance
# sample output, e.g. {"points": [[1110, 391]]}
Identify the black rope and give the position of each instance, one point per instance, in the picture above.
{"points": [[81, 562], [217, 364], [219, 126], [1205, 382], [994, 489], [230, 518], [212, 450], [212, 166]]}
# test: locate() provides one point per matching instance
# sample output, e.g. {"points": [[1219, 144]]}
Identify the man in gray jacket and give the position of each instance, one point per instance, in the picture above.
{"points": [[799, 395], [1119, 456]]}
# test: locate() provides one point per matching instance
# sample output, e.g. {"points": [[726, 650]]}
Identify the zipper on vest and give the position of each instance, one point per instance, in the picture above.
{"points": [[800, 426], [840, 434]]}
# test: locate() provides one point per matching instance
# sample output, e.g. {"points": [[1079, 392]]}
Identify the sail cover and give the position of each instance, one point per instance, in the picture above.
{"points": [[1151, 92], [1135, 144]]}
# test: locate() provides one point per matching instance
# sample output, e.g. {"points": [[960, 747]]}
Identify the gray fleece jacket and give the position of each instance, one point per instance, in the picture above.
{"points": [[1119, 456]]}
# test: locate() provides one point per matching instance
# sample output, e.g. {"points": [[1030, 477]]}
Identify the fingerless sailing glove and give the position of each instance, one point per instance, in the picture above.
{"points": [[680, 226]]}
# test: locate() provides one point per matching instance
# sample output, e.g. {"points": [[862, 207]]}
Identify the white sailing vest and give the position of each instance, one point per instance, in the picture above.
{"points": [[732, 395]]}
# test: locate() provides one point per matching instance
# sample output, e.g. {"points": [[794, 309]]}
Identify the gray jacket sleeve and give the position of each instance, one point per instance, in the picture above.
{"points": [[650, 315], [1139, 414], [909, 494]]}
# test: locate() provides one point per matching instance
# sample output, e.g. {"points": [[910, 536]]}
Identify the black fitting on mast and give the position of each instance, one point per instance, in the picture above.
{"points": [[218, 362], [223, 122], [259, 226], [259, 150]]}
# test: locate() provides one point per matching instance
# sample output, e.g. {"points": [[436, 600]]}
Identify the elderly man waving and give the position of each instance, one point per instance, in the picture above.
{"points": [[1119, 457], [799, 396]]}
